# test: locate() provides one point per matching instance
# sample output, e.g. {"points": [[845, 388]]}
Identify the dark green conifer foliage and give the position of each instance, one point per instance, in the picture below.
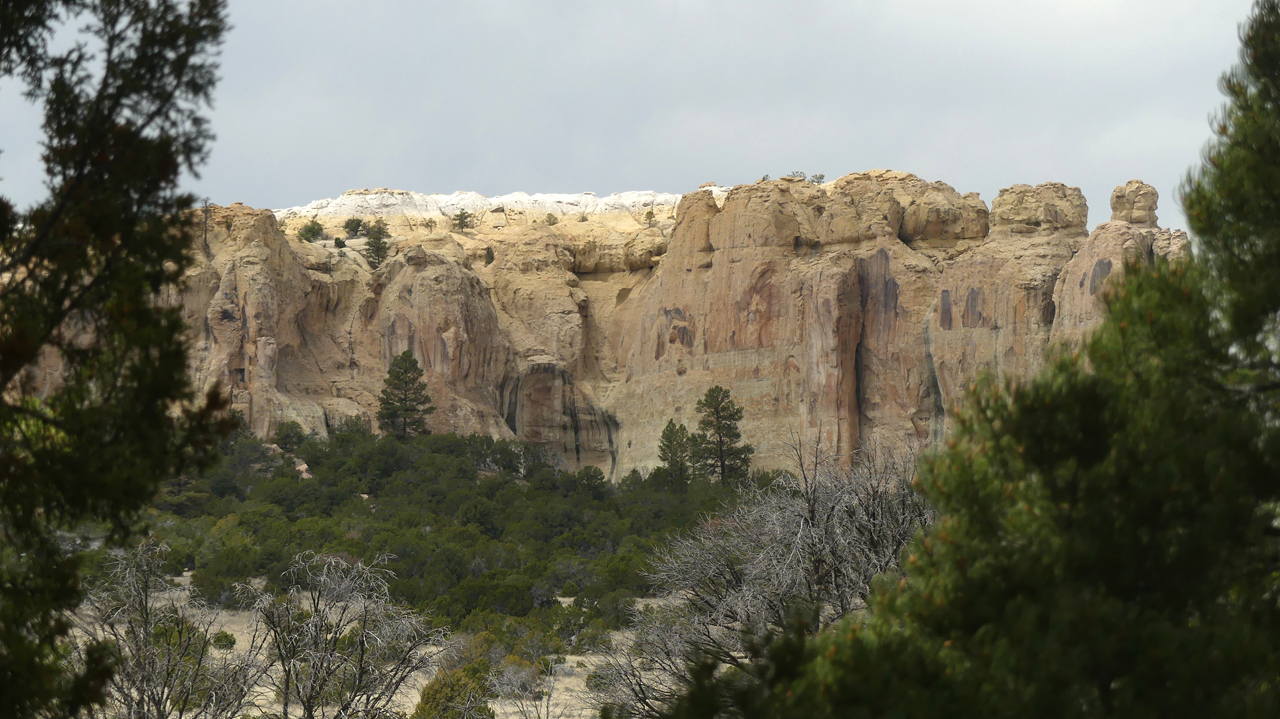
{"points": [[404, 404], [79, 275], [376, 248], [1233, 205], [312, 231], [353, 226], [717, 450], [375, 251], [289, 436], [673, 450], [377, 230], [1107, 545]]}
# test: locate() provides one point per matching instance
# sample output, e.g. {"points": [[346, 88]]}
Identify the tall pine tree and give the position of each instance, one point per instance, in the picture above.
{"points": [[717, 450], [673, 450], [404, 404]]}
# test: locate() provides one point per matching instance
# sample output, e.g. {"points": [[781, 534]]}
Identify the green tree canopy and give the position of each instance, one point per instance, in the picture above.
{"points": [[289, 436], [312, 231], [79, 274], [673, 450], [353, 226], [376, 248], [377, 230], [717, 449], [404, 404]]}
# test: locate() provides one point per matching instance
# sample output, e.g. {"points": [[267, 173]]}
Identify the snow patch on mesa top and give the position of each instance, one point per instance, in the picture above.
{"points": [[381, 202]]}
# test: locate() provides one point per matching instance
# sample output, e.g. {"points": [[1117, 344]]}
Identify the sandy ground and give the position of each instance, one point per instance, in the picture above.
{"points": [[568, 697]]}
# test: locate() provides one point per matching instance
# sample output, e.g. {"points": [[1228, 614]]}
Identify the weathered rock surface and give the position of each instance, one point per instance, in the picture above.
{"points": [[858, 309]]}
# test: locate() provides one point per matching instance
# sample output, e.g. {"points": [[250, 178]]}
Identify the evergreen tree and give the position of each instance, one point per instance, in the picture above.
{"points": [[353, 226], [377, 230], [80, 272], [289, 436], [404, 404], [312, 231], [716, 449], [376, 247], [375, 251], [673, 450], [1107, 545]]}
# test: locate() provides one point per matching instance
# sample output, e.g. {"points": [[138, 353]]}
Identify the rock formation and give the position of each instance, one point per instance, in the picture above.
{"points": [[858, 309]]}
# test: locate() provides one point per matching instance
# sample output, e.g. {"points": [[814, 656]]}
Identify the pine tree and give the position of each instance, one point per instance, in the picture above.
{"points": [[673, 450], [80, 272], [404, 404], [312, 231], [1107, 542], [376, 251], [376, 248], [717, 450]]}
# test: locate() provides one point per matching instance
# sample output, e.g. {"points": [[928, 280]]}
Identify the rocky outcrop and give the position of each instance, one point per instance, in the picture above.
{"points": [[856, 310]]}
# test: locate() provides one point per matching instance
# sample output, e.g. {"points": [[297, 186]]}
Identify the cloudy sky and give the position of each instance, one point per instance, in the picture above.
{"points": [[321, 96]]}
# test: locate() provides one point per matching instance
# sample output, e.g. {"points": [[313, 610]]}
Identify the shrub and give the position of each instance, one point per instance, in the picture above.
{"points": [[552, 219], [339, 242], [453, 695], [353, 226], [648, 218], [289, 436], [582, 217], [311, 231], [431, 224]]}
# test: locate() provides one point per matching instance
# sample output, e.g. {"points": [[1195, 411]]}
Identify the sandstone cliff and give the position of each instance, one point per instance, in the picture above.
{"points": [[858, 309]]}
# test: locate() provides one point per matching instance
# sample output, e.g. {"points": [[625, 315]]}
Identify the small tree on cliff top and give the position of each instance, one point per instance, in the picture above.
{"points": [[376, 248], [404, 404], [717, 448]]}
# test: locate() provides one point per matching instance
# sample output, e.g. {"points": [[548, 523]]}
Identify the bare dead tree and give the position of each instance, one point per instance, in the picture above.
{"points": [[339, 646], [807, 545], [529, 689], [171, 662]]}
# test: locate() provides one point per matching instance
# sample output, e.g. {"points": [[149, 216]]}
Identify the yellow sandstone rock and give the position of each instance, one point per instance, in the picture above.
{"points": [[856, 310]]}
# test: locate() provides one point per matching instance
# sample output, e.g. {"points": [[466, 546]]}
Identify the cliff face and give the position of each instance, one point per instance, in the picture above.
{"points": [[858, 309]]}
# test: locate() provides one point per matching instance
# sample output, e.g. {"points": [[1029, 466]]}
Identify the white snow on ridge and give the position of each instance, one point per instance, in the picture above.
{"points": [[380, 202]]}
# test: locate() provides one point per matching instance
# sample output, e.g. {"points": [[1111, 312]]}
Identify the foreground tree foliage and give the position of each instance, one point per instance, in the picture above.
{"points": [[1107, 536], [80, 273]]}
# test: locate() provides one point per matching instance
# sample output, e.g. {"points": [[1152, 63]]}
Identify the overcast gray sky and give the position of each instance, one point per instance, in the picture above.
{"points": [[321, 96]]}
